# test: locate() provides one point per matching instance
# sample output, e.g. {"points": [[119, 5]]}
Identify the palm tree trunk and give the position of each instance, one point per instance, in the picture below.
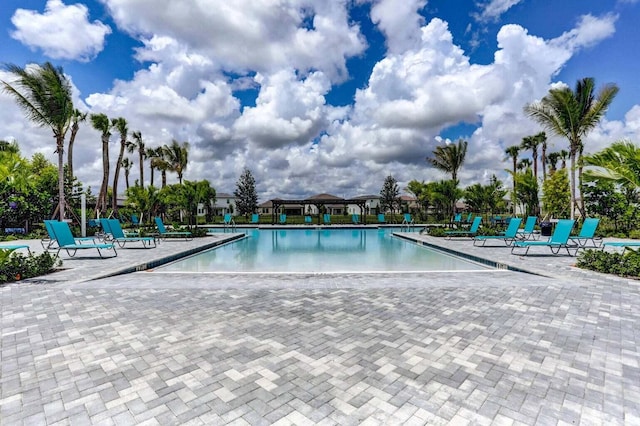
{"points": [[72, 138], [61, 202], [114, 201], [164, 178], [152, 174], [515, 170], [580, 169], [126, 178], [543, 160], [141, 153], [102, 199], [572, 158]]}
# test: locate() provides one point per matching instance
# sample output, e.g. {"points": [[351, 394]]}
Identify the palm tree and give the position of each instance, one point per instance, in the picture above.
{"points": [[44, 94], [552, 159], [532, 142], [564, 154], [152, 154], [120, 124], [617, 163], [101, 123], [573, 114], [177, 157], [138, 144], [126, 165], [524, 164], [542, 141], [77, 118], [449, 158], [513, 152]]}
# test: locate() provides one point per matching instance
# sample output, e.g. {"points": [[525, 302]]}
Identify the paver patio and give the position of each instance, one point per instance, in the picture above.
{"points": [[489, 347]]}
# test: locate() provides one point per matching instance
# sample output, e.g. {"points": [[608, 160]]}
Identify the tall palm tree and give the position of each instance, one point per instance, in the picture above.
{"points": [[138, 144], [513, 152], [564, 155], [77, 118], [120, 124], [126, 165], [177, 157], [449, 158], [524, 164], [532, 142], [552, 159], [44, 94], [573, 114], [152, 154], [101, 123], [542, 141]]}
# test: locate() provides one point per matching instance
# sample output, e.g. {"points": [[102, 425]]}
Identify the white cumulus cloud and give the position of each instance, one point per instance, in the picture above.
{"points": [[61, 32]]}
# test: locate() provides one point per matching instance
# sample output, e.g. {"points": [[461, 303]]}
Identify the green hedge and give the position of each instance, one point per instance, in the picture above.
{"points": [[16, 266], [626, 264]]}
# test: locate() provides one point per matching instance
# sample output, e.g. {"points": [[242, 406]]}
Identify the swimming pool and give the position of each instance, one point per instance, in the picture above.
{"points": [[321, 251]]}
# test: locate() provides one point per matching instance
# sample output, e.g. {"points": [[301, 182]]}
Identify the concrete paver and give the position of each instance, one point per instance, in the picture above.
{"points": [[554, 346]]}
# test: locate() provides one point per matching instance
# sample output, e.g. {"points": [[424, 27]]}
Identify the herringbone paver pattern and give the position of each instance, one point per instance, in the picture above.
{"points": [[547, 353], [492, 347]]}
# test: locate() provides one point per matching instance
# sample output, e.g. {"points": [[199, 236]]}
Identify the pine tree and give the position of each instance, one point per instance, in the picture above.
{"points": [[246, 195], [389, 195]]}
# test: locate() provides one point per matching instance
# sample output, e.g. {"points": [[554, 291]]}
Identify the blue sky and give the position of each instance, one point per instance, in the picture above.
{"points": [[322, 96]]}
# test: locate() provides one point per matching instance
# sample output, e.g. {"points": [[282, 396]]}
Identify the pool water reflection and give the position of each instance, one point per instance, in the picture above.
{"points": [[321, 250]]}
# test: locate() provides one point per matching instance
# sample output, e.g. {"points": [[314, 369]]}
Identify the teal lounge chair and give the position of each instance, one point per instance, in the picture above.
{"points": [[228, 220], [408, 220], [134, 220], [381, 218], [355, 219], [174, 234], [119, 237], [471, 232], [255, 218], [510, 235], [50, 242], [527, 233], [326, 219], [457, 220], [308, 220], [283, 219], [469, 219], [107, 234], [623, 244], [558, 241], [587, 233], [67, 242], [12, 247]]}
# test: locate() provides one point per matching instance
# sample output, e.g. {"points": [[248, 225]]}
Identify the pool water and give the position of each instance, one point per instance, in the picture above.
{"points": [[321, 251]]}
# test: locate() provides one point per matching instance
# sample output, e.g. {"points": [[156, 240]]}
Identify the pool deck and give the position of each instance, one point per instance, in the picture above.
{"points": [[557, 345]]}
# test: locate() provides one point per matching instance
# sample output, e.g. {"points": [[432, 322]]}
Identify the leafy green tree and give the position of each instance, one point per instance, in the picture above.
{"points": [[444, 195], [44, 94], [145, 201], [246, 195], [527, 192], [389, 195], [420, 190], [603, 199], [556, 194], [573, 114], [486, 198]]}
